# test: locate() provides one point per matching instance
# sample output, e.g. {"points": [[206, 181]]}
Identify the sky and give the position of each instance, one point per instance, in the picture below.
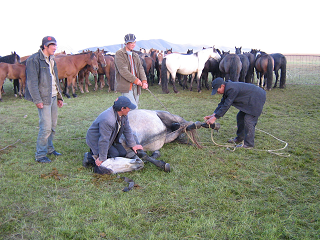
{"points": [[272, 26]]}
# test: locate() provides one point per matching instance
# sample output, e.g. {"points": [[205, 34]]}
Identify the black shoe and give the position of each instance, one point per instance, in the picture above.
{"points": [[244, 146], [235, 140], [43, 160], [55, 153], [88, 160]]}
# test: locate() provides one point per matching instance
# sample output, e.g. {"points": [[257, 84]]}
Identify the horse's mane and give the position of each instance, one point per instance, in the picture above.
{"points": [[10, 58]]}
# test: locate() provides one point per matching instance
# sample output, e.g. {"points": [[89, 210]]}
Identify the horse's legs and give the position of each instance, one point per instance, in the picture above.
{"points": [[277, 77], [173, 83], [73, 86], [16, 87], [81, 80]]}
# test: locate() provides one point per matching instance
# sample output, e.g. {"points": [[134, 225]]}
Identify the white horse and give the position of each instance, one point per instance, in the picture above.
{"points": [[185, 64]]}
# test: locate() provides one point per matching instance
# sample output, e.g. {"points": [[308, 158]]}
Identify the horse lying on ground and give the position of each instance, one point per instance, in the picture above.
{"points": [[152, 129]]}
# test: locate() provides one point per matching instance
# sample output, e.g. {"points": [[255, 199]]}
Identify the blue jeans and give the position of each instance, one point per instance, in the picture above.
{"points": [[48, 116], [133, 95]]}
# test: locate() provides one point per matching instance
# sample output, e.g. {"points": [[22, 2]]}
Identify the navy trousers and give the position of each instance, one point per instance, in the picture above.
{"points": [[246, 128]]}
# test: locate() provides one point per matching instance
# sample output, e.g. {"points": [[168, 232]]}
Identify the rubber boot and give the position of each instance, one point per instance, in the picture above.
{"points": [[160, 164]]}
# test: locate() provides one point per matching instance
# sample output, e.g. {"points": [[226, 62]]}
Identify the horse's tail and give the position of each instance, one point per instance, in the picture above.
{"points": [[234, 71], [269, 73], [283, 72], [164, 76]]}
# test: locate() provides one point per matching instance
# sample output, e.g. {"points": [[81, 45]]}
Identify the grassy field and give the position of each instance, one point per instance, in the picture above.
{"points": [[211, 193]]}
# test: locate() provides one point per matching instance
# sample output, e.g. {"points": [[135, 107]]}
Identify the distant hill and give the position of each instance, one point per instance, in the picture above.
{"points": [[160, 45]]}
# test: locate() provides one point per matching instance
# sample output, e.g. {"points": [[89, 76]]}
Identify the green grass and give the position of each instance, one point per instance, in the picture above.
{"points": [[211, 193]]}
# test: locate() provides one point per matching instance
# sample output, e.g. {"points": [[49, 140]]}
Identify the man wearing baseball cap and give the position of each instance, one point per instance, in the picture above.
{"points": [[248, 98], [130, 74], [104, 134], [43, 89]]}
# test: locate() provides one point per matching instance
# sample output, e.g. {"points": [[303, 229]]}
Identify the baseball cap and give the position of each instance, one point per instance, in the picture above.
{"points": [[216, 83], [129, 38], [48, 40], [123, 101]]}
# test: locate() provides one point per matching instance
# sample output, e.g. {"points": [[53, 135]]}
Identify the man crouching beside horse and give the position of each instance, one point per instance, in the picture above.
{"points": [[107, 154]]}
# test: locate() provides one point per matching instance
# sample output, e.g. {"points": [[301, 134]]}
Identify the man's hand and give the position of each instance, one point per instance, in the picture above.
{"points": [[211, 120], [144, 85], [39, 105], [138, 82], [98, 162], [135, 148], [60, 103]]}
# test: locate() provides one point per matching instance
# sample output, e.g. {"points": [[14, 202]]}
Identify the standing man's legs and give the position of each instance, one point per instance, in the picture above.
{"points": [[241, 126], [250, 123], [47, 123], [133, 95]]}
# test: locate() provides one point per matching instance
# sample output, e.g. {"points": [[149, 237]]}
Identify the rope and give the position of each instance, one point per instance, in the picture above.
{"points": [[228, 146], [272, 151]]}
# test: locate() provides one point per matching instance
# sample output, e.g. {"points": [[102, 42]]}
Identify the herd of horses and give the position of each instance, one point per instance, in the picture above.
{"points": [[237, 67], [167, 66]]}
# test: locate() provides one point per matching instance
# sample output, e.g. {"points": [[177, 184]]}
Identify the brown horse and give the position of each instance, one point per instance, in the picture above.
{"points": [[108, 71], [13, 71], [264, 65], [84, 73], [70, 65], [149, 70]]}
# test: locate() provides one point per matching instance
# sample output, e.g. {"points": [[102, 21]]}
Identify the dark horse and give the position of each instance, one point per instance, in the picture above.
{"points": [[230, 66], [12, 59], [280, 62], [245, 64], [264, 66], [211, 66]]}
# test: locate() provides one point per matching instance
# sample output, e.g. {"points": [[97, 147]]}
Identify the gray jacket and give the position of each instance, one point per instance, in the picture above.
{"points": [[104, 130], [246, 97], [39, 81]]}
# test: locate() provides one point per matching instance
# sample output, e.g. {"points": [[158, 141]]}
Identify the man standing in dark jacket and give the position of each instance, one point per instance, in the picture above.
{"points": [[248, 98], [43, 89]]}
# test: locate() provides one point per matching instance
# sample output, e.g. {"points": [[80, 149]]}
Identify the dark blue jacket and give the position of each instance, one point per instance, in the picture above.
{"points": [[246, 97]]}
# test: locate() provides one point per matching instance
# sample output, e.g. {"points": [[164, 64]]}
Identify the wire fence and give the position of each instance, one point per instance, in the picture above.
{"points": [[303, 69]]}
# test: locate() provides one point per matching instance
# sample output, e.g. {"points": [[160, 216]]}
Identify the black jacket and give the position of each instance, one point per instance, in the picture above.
{"points": [[246, 97]]}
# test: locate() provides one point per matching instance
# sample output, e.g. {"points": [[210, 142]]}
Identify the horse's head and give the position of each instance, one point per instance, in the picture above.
{"points": [[100, 57], [160, 57], [16, 57], [190, 51], [215, 54], [93, 62], [238, 50]]}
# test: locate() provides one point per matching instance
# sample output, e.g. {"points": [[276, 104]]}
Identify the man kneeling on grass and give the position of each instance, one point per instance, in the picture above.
{"points": [[104, 134]]}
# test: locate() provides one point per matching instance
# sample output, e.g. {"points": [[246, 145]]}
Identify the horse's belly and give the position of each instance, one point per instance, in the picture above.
{"points": [[148, 128]]}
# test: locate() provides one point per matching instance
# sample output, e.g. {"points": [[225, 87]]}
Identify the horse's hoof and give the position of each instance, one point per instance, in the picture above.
{"points": [[167, 167], [156, 154]]}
